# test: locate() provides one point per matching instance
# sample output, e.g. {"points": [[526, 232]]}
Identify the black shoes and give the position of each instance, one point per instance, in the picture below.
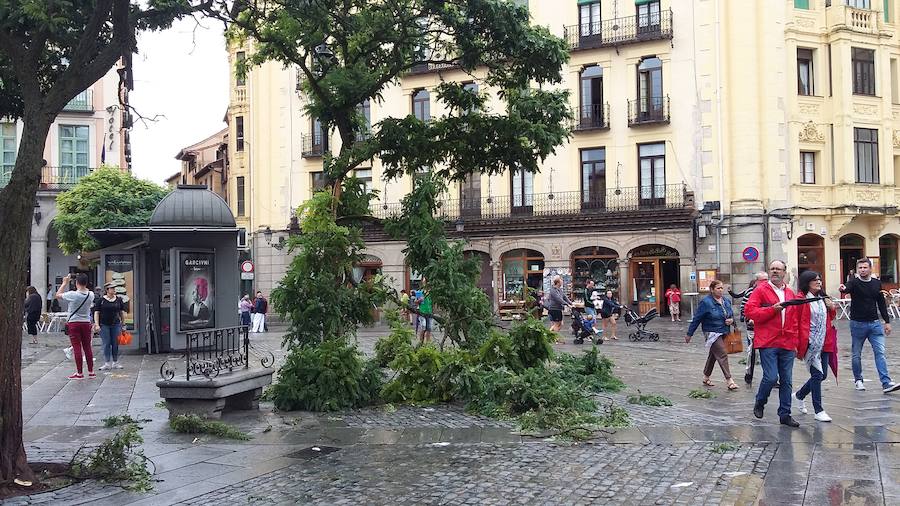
{"points": [[789, 421], [748, 378], [758, 410]]}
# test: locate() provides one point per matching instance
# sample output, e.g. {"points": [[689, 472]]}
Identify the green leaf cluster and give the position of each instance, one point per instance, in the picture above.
{"points": [[318, 296], [649, 400], [117, 459], [331, 376], [195, 424], [398, 342], [108, 197]]}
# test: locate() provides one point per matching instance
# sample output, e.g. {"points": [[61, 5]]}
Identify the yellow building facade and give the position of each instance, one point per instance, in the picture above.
{"points": [[696, 143]]}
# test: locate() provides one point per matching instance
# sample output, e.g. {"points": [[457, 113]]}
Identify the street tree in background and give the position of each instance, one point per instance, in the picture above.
{"points": [[50, 50], [106, 198]]}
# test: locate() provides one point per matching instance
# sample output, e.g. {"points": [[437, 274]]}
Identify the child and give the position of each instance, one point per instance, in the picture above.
{"points": [[673, 299], [588, 324]]}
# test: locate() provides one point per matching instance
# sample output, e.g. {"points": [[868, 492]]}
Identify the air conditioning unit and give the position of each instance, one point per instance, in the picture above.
{"points": [[242, 239]]}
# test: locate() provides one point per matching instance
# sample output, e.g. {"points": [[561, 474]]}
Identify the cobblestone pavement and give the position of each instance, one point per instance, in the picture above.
{"points": [[699, 451]]}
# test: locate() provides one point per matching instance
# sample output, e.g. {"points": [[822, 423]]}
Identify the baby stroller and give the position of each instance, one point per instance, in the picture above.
{"points": [[581, 330], [632, 318]]}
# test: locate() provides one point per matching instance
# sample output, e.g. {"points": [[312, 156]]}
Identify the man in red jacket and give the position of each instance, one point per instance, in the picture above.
{"points": [[775, 337]]}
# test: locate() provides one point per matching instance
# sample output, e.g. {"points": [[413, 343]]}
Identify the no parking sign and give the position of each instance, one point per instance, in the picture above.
{"points": [[750, 254]]}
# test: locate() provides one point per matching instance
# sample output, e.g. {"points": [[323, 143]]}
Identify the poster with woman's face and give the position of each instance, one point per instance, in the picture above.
{"points": [[196, 291]]}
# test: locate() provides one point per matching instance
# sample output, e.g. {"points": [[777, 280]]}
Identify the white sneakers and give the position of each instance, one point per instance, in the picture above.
{"points": [[68, 352], [801, 403], [116, 365], [105, 366], [823, 416], [860, 385]]}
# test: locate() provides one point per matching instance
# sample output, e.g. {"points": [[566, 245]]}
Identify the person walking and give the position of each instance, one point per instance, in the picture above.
{"points": [[590, 295], [34, 303], [78, 322], [866, 303], [775, 337], [609, 311], [760, 277], [556, 301], [260, 306], [673, 300], [817, 340], [426, 314], [244, 308], [109, 316], [716, 316]]}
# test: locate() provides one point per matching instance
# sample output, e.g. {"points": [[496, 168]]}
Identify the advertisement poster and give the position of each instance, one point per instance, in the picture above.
{"points": [[120, 272], [196, 291]]}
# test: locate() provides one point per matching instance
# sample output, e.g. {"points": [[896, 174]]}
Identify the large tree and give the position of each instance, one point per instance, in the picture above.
{"points": [[50, 50]]}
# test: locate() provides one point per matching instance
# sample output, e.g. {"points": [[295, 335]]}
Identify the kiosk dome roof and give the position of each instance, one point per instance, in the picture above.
{"points": [[192, 206]]}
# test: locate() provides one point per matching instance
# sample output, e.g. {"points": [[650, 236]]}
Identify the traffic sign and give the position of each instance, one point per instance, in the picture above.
{"points": [[693, 276], [750, 254], [247, 266]]}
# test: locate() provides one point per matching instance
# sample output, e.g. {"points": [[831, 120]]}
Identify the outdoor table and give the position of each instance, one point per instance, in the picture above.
{"points": [[57, 320], [691, 295], [843, 308]]}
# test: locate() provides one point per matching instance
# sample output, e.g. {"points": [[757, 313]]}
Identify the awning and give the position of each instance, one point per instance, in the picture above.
{"points": [[134, 237]]}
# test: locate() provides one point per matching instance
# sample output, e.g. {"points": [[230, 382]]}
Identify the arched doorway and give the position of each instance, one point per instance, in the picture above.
{"points": [[484, 261], [853, 247], [887, 255], [594, 263], [811, 254], [653, 268]]}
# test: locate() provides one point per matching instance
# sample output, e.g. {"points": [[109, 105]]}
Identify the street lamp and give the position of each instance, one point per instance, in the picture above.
{"points": [[37, 213], [460, 224], [267, 233]]}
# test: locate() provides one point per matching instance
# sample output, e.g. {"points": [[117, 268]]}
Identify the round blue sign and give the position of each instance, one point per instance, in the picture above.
{"points": [[750, 254]]}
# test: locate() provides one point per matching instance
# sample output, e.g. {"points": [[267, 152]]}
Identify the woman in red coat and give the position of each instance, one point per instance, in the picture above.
{"points": [[817, 340]]}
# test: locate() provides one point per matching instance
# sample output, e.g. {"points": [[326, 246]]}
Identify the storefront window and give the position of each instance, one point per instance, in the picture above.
{"points": [[887, 246], [594, 263], [520, 268], [811, 254]]}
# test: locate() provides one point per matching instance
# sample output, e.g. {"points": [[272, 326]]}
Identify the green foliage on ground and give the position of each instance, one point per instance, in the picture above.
{"points": [[195, 424], [107, 197], [120, 420], [724, 448], [329, 377], [117, 459], [700, 393], [649, 400]]}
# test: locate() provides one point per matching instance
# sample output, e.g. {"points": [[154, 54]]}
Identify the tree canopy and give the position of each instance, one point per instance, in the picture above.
{"points": [[108, 197]]}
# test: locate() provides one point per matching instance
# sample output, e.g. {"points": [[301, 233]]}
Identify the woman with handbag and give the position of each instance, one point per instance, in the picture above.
{"points": [[817, 344], [109, 315], [715, 315], [78, 323]]}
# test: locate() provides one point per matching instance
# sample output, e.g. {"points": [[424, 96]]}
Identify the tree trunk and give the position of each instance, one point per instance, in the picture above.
{"points": [[16, 211]]}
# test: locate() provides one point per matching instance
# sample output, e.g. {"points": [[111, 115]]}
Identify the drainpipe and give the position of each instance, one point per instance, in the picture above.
{"points": [[719, 126]]}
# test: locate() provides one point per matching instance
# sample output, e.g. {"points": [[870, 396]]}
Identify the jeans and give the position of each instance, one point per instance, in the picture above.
{"points": [[814, 384], [590, 310], [874, 332], [245, 318], [777, 365], [109, 336]]}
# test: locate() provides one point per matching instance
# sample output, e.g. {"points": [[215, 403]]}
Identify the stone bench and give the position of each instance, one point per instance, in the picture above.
{"points": [[238, 390]]}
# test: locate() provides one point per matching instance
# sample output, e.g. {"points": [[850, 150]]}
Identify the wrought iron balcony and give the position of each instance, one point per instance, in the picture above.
{"points": [[592, 117], [83, 102], [619, 31], [313, 145], [54, 178], [648, 110], [549, 205]]}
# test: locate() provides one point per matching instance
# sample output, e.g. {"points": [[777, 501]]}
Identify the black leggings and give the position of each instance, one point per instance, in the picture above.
{"points": [[31, 322]]}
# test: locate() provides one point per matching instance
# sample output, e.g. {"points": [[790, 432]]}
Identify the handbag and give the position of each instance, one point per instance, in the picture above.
{"points": [[733, 342], [66, 325], [125, 338]]}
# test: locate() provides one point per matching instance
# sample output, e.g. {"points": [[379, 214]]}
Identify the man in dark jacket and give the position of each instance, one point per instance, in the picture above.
{"points": [[866, 304]]}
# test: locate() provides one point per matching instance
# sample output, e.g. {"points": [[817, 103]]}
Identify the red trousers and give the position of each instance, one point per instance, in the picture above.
{"points": [[80, 337]]}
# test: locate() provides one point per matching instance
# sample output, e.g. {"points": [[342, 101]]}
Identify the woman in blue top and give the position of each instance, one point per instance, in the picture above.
{"points": [[715, 315]]}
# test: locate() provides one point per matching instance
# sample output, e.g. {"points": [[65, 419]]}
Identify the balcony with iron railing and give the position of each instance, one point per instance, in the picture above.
{"points": [[552, 205], [54, 178], [648, 111], [83, 102], [592, 117], [312, 145], [619, 31]]}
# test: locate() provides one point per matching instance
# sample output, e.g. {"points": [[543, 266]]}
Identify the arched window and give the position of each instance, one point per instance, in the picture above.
{"points": [[811, 254]]}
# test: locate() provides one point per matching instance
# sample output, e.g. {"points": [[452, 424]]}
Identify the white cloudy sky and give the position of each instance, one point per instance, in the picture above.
{"points": [[184, 81]]}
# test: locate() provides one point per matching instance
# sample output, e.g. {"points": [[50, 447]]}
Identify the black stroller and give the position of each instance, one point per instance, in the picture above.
{"points": [[641, 333], [582, 333]]}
